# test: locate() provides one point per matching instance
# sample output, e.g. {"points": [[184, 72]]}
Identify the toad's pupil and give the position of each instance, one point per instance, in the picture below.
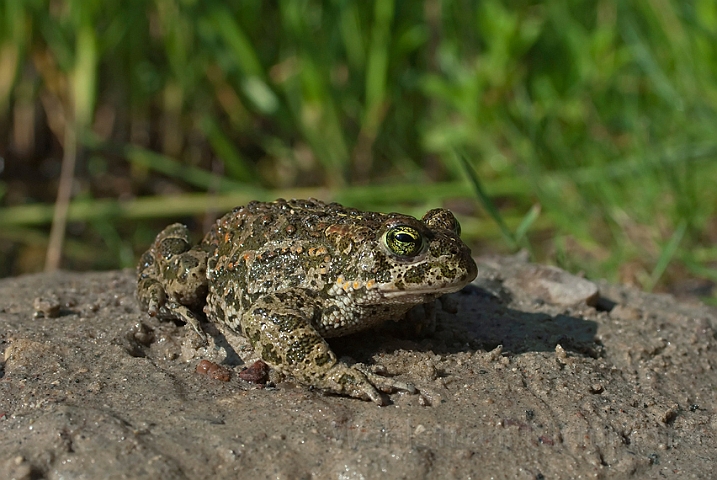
{"points": [[405, 238]]}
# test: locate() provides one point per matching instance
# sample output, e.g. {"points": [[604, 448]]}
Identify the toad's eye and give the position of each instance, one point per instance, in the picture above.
{"points": [[404, 241]]}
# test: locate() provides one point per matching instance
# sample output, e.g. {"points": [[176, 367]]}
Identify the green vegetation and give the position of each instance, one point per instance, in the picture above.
{"points": [[583, 131]]}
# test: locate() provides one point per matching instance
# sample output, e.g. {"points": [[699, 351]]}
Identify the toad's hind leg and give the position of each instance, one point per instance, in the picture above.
{"points": [[279, 328], [171, 277]]}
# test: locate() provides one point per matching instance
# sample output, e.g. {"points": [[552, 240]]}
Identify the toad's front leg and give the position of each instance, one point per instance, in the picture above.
{"points": [[279, 327]]}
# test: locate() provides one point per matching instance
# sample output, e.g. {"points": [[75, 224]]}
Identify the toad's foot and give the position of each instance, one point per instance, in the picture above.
{"points": [[383, 383], [358, 382]]}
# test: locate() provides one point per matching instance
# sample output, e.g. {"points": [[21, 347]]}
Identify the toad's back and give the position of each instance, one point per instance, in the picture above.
{"points": [[330, 254]]}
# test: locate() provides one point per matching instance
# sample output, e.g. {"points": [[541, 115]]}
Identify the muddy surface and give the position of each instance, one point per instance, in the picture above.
{"points": [[530, 373]]}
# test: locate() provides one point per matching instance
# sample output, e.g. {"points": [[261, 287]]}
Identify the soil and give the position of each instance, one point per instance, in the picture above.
{"points": [[530, 373]]}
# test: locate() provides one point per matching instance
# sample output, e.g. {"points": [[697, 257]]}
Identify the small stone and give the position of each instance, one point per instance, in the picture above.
{"points": [[494, 354], [596, 388], [560, 352], [143, 334], [257, 372], [203, 367], [624, 312], [213, 371], [46, 306]]}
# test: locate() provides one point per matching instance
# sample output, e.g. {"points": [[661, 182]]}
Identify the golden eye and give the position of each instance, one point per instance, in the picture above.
{"points": [[404, 241]]}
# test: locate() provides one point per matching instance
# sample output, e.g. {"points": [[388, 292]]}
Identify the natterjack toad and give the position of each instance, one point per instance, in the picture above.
{"points": [[289, 274]]}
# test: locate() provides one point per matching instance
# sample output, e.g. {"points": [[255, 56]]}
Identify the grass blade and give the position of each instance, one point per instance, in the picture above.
{"points": [[527, 222], [486, 201], [666, 256]]}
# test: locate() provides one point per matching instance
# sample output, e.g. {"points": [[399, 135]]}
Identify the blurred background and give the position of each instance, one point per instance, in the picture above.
{"points": [[584, 132]]}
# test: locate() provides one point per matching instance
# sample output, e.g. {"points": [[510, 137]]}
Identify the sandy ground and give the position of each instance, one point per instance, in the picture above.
{"points": [[530, 374]]}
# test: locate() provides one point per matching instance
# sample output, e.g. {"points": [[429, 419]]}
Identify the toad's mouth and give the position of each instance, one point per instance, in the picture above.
{"points": [[391, 291]]}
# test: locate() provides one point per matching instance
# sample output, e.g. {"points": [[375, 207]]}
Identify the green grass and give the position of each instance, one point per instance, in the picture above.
{"points": [[582, 131]]}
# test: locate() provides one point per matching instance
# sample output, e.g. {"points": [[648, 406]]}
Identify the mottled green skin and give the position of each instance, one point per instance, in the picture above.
{"points": [[289, 274]]}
